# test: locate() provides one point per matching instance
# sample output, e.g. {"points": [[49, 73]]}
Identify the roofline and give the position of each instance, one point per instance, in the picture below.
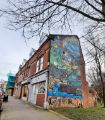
{"points": [[63, 35], [48, 38]]}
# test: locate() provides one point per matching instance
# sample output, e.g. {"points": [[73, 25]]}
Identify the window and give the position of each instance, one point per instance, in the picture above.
{"points": [[39, 65]]}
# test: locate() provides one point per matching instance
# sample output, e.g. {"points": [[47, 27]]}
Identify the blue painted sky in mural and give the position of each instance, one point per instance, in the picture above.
{"points": [[73, 47]]}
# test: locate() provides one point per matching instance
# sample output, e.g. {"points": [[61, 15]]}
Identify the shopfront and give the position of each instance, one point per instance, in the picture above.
{"points": [[38, 89], [25, 90]]}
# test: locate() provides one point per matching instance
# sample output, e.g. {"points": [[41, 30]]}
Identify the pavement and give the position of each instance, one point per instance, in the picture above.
{"points": [[16, 109]]}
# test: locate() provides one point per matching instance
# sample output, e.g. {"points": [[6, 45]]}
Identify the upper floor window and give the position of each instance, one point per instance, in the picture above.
{"points": [[39, 65]]}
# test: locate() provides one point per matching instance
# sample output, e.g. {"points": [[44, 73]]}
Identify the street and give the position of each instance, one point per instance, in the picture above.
{"points": [[16, 109]]}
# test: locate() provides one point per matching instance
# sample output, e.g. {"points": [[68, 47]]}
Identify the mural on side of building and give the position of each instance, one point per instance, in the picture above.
{"points": [[64, 75]]}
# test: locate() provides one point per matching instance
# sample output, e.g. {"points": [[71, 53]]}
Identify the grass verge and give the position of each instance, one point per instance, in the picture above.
{"points": [[96, 113]]}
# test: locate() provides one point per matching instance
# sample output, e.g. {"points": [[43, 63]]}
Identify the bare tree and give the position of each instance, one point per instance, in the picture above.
{"points": [[96, 73], [32, 16], [96, 84]]}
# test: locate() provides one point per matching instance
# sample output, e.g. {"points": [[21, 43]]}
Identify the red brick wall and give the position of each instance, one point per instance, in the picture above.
{"points": [[92, 101], [40, 99], [46, 59], [85, 89], [32, 68]]}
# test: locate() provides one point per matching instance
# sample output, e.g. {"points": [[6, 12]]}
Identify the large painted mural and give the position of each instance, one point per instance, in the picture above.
{"points": [[64, 72]]}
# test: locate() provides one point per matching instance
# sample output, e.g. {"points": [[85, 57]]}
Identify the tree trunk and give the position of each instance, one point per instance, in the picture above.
{"points": [[103, 86], [104, 97], [103, 7]]}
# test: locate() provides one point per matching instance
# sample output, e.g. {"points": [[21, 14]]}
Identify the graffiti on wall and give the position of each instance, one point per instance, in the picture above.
{"points": [[64, 74], [41, 87]]}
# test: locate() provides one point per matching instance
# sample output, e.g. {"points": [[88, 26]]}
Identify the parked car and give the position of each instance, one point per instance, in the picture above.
{"points": [[5, 97], [1, 99]]}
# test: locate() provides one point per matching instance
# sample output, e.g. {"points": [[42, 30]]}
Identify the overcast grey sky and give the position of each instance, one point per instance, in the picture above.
{"points": [[13, 48]]}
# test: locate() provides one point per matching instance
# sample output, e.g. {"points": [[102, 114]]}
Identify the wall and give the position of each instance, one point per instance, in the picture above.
{"points": [[85, 88], [65, 84]]}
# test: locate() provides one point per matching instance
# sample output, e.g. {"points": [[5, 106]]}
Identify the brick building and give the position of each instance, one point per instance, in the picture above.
{"points": [[54, 76]]}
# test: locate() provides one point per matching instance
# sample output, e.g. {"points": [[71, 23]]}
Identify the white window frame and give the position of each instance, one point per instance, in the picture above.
{"points": [[39, 64]]}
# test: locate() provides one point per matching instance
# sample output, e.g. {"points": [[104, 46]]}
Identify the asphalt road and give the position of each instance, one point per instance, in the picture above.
{"points": [[16, 109]]}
